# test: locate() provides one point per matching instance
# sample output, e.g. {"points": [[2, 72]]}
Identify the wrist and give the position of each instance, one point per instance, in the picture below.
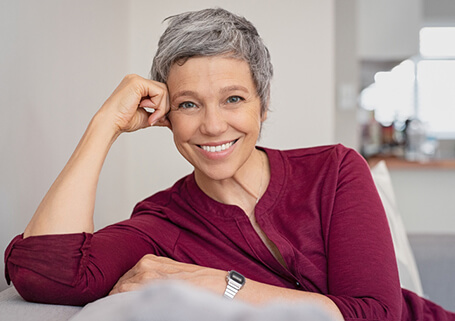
{"points": [[104, 126], [234, 283]]}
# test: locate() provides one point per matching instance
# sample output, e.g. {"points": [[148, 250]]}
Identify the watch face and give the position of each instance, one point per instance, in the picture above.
{"points": [[237, 277]]}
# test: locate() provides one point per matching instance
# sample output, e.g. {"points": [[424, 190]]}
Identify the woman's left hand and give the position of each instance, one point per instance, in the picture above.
{"points": [[152, 267]]}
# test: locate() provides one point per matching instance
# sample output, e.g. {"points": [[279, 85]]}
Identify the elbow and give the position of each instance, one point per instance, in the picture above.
{"points": [[34, 287], [367, 308], [45, 273]]}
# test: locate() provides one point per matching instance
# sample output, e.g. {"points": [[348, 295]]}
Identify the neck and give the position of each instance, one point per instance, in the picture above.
{"points": [[245, 188]]}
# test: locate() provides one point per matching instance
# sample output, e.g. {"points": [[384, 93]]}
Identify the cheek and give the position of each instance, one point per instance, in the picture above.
{"points": [[248, 121], [182, 127]]}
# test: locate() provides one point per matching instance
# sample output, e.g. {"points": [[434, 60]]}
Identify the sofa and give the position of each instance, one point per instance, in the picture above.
{"points": [[435, 258]]}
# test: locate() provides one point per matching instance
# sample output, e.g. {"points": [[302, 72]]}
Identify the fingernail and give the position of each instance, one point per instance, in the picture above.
{"points": [[149, 109]]}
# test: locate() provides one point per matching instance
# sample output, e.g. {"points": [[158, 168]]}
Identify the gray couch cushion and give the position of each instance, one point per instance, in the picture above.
{"points": [[166, 301], [13, 307], [176, 301]]}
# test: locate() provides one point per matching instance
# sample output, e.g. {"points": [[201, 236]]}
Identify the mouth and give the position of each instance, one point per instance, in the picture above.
{"points": [[217, 148]]}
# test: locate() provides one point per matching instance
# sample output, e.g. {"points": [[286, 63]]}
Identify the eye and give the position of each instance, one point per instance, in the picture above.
{"points": [[234, 99], [187, 105]]}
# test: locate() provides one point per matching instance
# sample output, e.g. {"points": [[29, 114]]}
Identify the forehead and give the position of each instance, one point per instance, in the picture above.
{"points": [[214, 72]]}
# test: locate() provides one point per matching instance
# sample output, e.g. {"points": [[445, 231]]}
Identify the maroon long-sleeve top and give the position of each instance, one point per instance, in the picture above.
{"points": [[321, 209]]}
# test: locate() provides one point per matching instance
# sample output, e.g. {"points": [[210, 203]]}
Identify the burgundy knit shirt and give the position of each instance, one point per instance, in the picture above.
{"points": [[321, 210]]}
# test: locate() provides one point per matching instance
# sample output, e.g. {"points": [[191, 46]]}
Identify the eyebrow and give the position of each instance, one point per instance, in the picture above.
{"points": [[233, 88], [183, 93], [222, 91]]}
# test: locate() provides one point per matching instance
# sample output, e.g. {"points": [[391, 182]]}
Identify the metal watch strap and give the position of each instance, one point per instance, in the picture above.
{"points": [[235, 282]]}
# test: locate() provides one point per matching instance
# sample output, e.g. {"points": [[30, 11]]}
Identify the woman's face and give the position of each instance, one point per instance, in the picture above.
{"points": [[215, 114]]}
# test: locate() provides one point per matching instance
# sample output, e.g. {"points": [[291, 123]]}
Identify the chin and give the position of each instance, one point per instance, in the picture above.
{"points": [[216, 173]]}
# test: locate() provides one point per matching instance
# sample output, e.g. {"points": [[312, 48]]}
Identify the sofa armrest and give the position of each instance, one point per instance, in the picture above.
{"points": [[435, 258]]}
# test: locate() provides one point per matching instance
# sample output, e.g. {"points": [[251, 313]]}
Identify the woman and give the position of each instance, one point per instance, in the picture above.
{"points": [[301, 225]]}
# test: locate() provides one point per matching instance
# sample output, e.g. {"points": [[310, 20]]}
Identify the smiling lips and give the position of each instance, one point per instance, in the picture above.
{"points": [[217, 148]]}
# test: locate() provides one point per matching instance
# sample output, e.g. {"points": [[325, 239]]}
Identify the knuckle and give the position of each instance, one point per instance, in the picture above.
{"points": [[146, 261], [161, 85], [123, 288], [150, 275], [143, 264], [131, 77]]}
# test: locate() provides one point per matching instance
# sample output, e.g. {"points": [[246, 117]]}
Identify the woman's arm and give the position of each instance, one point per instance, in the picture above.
{"points": [[69, 204], [34, 261], [152, 267]]}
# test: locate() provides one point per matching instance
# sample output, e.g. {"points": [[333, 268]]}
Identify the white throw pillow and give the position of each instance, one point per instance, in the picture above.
{"points": [[407, 267]]}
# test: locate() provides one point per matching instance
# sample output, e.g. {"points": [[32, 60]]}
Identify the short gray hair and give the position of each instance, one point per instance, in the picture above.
{"points": [[212, 32]]}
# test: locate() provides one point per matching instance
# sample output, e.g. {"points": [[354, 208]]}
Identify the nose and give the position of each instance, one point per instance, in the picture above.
{"points": [[213, 122]]}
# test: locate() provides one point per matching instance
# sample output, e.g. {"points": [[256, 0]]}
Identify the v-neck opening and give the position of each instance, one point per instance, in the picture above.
{"points": [[259, 248], [267, 241]]}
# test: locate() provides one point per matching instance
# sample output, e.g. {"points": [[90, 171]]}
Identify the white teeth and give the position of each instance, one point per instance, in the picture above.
{"points": [[219, 148]]}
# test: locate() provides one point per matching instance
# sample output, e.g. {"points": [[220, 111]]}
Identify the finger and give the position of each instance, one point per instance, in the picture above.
{"points": [[161, 122], [161, 108], [125, 287], [148, 93], [139, 120], [153, 109], [147, 104], [135, 281], [125, 283]]}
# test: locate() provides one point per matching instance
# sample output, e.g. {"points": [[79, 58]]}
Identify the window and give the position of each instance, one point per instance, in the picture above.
{"points": [[421, 87]]}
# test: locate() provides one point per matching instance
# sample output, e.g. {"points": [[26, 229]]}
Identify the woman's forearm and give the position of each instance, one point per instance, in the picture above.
{"points": [[259, 293], [69, 204], [151, 268]]}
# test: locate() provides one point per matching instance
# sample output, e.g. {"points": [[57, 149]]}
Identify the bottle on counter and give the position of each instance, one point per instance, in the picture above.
{"points": [[371, 135], [416, 135]]}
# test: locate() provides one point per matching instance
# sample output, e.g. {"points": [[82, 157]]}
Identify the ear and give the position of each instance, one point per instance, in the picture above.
{"points": [[166, 123], [264, 116], [266, 109]]}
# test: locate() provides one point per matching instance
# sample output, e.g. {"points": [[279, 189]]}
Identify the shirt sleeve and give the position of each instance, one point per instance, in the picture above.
{"points": [[363, 276], [75, 269]]}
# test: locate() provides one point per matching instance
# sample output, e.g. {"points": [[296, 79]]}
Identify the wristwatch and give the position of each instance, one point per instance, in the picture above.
{"points": [[235, 281]]}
